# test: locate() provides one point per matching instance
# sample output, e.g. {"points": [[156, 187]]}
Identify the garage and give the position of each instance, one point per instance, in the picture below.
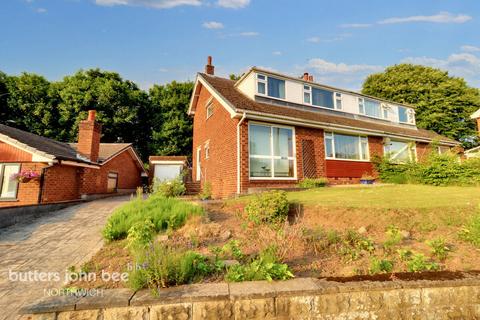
{"points": [[164, 168]]}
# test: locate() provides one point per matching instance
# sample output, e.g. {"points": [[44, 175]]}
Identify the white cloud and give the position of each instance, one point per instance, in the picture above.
{"points": [[277, 53], [464, 65], [356, 25], [233, 4], [323, 66], [468, 48], [41, 10], [157, 4], [335, 38], [442, 17], [249, 34], [314, 39], [212, 25]]}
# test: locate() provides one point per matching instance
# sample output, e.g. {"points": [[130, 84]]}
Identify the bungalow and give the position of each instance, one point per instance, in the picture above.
{"points": [[272, 130], [36, 170]]}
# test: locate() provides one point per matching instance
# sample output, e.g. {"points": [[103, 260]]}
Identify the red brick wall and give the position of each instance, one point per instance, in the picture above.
{"points": [[220, 170], [9, 153], [89, 133], [129, 175], [423, 150], [61, 183], [28, 193]]}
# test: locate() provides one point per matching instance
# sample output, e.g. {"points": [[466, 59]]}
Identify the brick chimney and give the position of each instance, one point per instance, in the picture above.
{"points": [[310, 78], [209, 68], [89, 132], [305, 76]]}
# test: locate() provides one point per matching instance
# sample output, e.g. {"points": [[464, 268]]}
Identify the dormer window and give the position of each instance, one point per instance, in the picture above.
{"points": [[371, 108], [270, 86], [338, 101], [406, 115], [307, 94], [385, 109]]}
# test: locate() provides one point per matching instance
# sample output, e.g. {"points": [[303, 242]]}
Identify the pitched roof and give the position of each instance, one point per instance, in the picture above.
{"points": [[226, 88], [107, 150], [50, 147]]}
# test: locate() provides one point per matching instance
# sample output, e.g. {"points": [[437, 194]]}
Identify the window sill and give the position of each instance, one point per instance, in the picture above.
{"points": [[271, 179], [351, 160], [8, 200]]}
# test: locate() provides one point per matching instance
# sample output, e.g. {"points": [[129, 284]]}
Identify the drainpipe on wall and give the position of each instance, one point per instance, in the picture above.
{"points": [[42, 181], [239, 153]]}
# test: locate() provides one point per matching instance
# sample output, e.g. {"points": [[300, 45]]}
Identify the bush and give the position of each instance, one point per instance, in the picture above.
{"points": [[418, 262], [140, 234], [164, 213], [160, 266], [394, 237], [378, 266], [206, 192], [471, 231], [313, 183], [264, 267], [268, 207], [169, 188], [439, 248]]}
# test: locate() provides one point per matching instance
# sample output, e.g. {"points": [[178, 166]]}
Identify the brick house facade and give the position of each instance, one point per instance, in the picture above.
{"points": [[290, 136], [66, 172]]}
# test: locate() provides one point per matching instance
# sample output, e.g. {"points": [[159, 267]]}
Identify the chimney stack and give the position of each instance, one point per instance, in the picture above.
{"points": [[310, 78], [305, 76], [209, 68], [89, 132]]}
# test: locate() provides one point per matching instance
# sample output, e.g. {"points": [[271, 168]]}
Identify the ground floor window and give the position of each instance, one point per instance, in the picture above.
{"points": [[112, 182], [400, 151], [8, 187], [346, 147], [272, 152]]}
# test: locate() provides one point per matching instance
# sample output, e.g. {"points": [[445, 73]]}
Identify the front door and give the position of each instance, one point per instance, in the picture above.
{"points": [[199, 167]]}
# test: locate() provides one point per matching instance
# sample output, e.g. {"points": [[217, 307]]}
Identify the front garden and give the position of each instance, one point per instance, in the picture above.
{"points": [[326, 232]]}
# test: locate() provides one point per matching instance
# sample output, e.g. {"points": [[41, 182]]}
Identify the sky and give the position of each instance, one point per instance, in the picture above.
{"points": [[156, 41]]}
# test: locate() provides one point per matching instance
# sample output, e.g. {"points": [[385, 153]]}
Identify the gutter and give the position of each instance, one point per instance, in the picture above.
{"points": [[239, 153]]}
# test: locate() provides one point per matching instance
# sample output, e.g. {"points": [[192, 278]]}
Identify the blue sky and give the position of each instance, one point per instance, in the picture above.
{"points": [[156, 41]]}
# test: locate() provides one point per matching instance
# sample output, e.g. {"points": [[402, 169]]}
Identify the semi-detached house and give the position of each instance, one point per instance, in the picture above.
{"points": [[272, 130]]}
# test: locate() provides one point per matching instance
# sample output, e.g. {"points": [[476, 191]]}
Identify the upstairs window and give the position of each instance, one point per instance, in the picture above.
{"points": [[406, 115], [400, 151], [307, 94], [209, 110], [338, 101], [322, 98], [372, 108], [270, 86], [8, 187], [346, 147]]}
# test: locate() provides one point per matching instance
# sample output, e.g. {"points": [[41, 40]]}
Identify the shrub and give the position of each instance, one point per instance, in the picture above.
{"points": [[439, 248], [160, 266], [471, 231], [394, 237], [354, 244], [313, 183], [169, 188], [418, 262], [206, 192], [268, 207], [164, 213], [140, 234], [264, 267], [378, 266]]}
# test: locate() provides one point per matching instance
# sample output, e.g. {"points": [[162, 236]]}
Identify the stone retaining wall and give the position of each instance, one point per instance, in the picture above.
{"points": [[303, 298]]}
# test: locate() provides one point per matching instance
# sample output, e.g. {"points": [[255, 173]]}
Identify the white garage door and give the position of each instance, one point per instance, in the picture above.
{"points": [[167, 171]]}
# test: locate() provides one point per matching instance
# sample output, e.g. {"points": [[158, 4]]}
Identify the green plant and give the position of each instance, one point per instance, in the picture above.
{"points": [[206, 192], [354, 244], [439, 248], [405, 254], [471, 231], [418, 262], [140, 234], [394, 237], [169, 188], [163, 212], [162, 266], [268, 207], [263, 267], [380, 265], [313, 183], [233, 248]]}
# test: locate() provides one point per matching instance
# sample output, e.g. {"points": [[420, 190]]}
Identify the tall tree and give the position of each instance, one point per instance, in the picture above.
{"points": [[4, 109], [171, 126], [444, 103]]}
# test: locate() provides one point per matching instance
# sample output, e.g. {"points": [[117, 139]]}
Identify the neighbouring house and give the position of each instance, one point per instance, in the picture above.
{"points": [[166, 167], [50, 171], [474, 152], [272, 130]]}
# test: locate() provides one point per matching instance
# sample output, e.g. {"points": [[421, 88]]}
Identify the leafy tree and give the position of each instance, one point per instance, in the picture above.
{"points": [[4, 109], [444, 103], [170, 124]]}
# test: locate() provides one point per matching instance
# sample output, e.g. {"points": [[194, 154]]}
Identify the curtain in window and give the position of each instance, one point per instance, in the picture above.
{"points": [[372, 108], [322, 98], [282, 142], [346, 147], [260, 140], [276, 88]]}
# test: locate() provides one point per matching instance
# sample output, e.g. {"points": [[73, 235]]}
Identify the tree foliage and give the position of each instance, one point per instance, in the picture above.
{"points": [[444, 103]]}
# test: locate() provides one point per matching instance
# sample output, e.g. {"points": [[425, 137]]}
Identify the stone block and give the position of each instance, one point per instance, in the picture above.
{"points": [[39, 316], [212, 310], [110, 298], [129, 313], [255, 309], [52, 304], [179, 311], [79, 315], [299, 307]]}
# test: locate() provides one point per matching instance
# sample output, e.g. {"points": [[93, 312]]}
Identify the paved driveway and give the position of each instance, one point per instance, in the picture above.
{"points": [[50, 244]]}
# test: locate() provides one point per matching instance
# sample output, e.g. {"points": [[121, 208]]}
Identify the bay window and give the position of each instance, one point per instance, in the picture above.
{"points": [[8, 187], [272, 153], [346, 147], [400, 151], [270, 86]]}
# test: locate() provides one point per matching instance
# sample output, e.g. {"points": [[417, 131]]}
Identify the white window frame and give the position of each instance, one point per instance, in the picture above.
{"points": [[408, 142], [207, 149], [410, 115], [338, 100], [209, 109], [2, 177], [265, 81], [383, 107], [362, 143], [271, 156], [307, 90]]}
